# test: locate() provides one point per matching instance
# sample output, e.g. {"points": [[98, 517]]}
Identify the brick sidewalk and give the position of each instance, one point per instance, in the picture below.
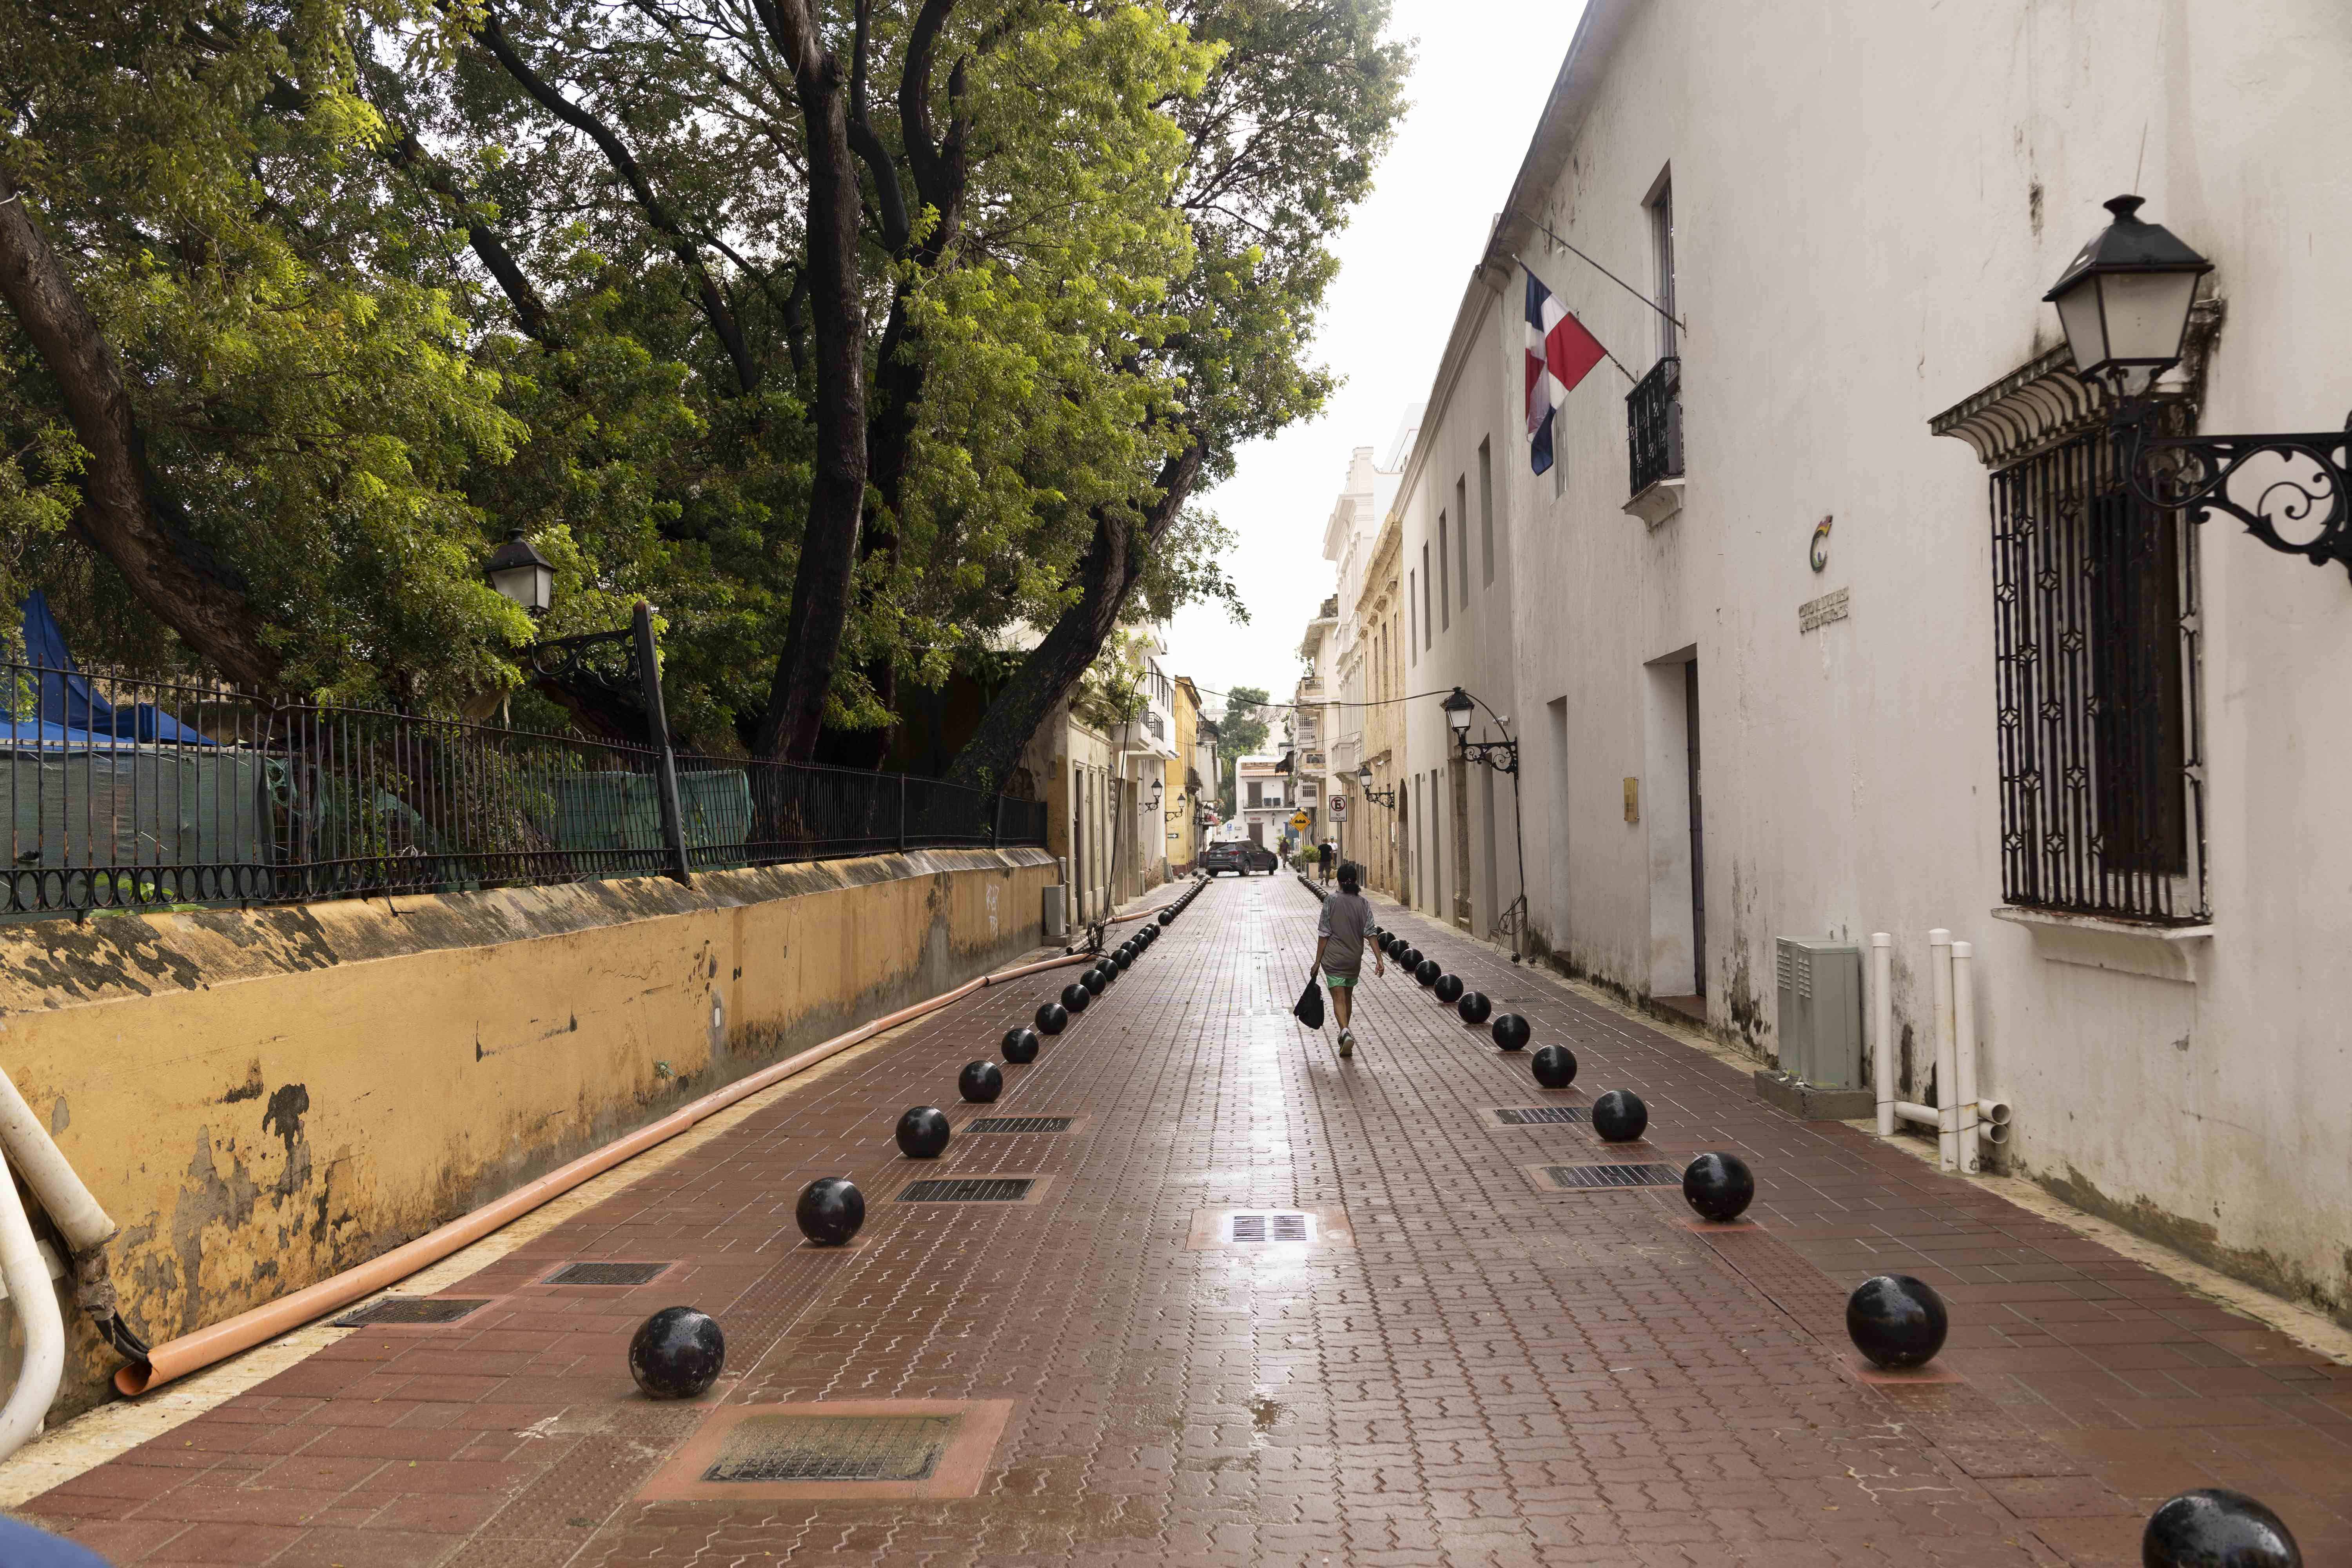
{"points": [[1461, 1368]]}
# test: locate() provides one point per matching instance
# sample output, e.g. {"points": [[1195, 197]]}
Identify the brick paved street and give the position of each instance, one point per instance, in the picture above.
{"points": [[1460, 1368]]}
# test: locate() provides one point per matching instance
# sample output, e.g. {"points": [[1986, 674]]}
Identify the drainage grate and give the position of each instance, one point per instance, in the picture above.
{"points": [[605, 1274], [1022, 1124], [1535, 1115], [1287, 1226], [408, 1310], [832, 1448], [1614, 1176], [969, 1190]]}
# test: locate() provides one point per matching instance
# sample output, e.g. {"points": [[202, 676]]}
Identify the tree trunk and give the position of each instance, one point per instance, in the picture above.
{"points": [[174, 575], [821, 586], [1107, 574]]}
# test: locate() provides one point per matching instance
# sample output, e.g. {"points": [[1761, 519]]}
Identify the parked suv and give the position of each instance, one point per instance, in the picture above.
{"points": [[1230, 856]]}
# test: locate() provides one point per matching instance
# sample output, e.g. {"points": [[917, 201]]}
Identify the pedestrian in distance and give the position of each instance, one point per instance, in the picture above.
{"points": [[1324, 855], [1345, 931]]}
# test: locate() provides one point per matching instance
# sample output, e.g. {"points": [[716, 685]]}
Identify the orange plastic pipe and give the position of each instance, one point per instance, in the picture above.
{"points": [[191, 1353]]}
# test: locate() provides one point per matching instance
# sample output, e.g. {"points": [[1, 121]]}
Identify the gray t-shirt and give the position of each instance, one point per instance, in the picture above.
{"points": [[1347, 920]]}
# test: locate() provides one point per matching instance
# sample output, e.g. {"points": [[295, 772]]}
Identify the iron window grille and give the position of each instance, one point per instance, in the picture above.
{"points": [[2095, 605], [1653, 425]]}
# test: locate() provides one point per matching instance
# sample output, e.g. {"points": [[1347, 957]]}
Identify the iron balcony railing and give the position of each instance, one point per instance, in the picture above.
{"points": [[127, 793], [1653, 425]]}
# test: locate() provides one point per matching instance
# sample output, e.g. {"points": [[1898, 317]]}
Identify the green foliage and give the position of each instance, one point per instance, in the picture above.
{"points": [[342, 403]]}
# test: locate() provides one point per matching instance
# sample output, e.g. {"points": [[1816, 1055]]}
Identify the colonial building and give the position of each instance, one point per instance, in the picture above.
{"points": [[1844, 609], [1355, 646], [1263, 799]]}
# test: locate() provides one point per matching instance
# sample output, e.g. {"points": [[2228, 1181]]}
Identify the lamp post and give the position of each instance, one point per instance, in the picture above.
{"points": [[522, 573], [1503, 756], [1381, 797], [2124, 301]]}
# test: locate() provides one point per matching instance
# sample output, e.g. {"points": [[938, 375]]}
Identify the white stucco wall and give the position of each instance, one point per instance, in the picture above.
{"points": [[1870, 200]]}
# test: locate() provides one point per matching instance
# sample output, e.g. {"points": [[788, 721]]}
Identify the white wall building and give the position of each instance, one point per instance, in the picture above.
{"points": [[1262, 800], [1348, 534], [1822, 669]]}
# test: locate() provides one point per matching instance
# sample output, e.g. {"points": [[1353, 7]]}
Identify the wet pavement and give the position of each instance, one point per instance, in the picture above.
{"points": [[1458, 1365]]}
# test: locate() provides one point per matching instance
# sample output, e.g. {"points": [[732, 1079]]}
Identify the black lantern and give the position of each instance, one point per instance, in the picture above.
{"points": [[1458, 708], [1376, 796], [2124, 301], [522, 573]]}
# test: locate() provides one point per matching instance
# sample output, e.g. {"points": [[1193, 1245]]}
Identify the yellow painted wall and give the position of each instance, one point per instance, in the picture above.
{"points": [[261, 1098]]}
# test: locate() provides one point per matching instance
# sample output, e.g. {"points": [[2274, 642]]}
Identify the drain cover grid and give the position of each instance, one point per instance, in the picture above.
{"points": [[1614, 1176], [1538, 1115], [1287, 1227], [832, 1448], [969, 1190], [605, 1274], [1021, 1124], [409, 1310]]}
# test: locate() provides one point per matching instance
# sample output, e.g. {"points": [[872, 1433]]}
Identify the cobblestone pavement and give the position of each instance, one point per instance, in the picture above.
{"points": [[1459, 1368]]}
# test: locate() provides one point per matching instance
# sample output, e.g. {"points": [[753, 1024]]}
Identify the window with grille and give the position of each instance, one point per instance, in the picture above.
{"points": [[2095, 627]]}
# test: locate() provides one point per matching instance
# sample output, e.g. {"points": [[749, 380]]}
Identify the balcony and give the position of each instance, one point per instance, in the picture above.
{"points": [[1653, 442], [1154, 725]]}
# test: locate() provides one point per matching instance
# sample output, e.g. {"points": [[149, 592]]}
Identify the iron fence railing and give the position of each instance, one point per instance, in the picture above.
{"points": [[125, 793], [1653, 425]]}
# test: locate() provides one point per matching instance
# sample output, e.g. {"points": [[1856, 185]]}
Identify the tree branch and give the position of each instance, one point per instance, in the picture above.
{"points": [[179, 580], [530, 311]]}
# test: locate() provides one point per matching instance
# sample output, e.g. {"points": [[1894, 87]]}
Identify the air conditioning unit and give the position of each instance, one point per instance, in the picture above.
{"points": [[1820, 1012]]}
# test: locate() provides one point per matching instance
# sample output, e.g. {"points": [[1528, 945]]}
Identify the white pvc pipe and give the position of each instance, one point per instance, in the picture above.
{"points": [[30, 1149], [36, 1302], [1882, 1027], [1964, 1036], [1948, 1125], [1993, 1112], [1926, 1114]]}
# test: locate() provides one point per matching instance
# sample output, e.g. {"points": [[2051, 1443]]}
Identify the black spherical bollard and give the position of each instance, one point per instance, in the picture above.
{"points": [[980, 1082], [1512, 1033], [922, 1133], [1427, 971], [1091, 977], [1474, 1006], [1168, 917], [1053, 1018], [677, 1353], [1554, 1067], [830, 1210], [1124, 957], [1896, 1321], [1448, 988], [1020, 1045], [1619, 1116], [1718, 1186], [2214, 1528], [1076, 998], [1409, 958]]}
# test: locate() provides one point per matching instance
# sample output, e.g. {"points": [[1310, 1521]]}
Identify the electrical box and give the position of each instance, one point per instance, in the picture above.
{"points": [[1820, 1012]]}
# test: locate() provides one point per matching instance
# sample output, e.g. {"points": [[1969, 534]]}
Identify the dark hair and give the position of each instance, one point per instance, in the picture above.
{"points": [[1351, 876]]}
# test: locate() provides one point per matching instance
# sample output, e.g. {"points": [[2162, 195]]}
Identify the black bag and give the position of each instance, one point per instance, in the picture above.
{"points": [[1310, 1010]]}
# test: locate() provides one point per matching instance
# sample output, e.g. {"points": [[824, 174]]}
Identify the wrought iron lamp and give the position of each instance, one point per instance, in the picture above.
{"points": [[2124, 301], [1386, 797], [1459, 705], [522, 573]]}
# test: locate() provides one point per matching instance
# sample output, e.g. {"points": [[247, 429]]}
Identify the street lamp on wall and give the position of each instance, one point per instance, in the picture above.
{"points": [[1385, 797], [522, 574], [1503, 756], [2125, 303]]}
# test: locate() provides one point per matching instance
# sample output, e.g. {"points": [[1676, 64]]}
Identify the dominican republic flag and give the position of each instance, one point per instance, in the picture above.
{"points": [[1559, 352]]}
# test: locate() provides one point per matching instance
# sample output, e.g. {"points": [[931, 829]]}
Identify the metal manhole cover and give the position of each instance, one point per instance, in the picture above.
{"points": [[1576, 1176], [409, 1310], [605, 1274], [1538, 1115], [1289, 1224], [832, 1448], [1022, 1124], [969, 1190]]}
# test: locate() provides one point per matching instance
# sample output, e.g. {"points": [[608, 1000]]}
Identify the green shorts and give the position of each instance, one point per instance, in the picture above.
{"points": [[1339, 982]]}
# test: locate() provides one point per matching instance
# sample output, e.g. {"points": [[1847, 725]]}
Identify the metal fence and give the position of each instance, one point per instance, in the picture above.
{"points": [[125, 793], [1653, 425]]}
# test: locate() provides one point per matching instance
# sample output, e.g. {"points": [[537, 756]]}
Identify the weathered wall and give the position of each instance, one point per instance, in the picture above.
{"points": [[263, 1099], [1869, 202]]}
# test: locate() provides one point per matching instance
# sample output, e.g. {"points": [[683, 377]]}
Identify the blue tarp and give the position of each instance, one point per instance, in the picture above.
{"points": [[69, 713]]}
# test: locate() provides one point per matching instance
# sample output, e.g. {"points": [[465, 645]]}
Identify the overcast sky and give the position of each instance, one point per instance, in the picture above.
{"points": [[1480, 73]]}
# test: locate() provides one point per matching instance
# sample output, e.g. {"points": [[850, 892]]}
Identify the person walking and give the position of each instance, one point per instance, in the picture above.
{"points": [[1343, 933], [1323, 856]]}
